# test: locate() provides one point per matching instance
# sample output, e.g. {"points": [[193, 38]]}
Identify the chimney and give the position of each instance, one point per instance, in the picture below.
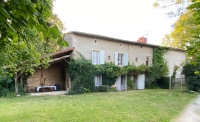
{"points": [[142, 40]]}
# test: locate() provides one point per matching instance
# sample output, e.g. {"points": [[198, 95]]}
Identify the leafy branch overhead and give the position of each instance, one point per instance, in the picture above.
{"points": [[15, 16], [27, 32]]}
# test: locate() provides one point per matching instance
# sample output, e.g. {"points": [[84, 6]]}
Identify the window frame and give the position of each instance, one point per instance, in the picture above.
{"points": [[124, 58], [95, 58], [120, 56], [99, 81]]}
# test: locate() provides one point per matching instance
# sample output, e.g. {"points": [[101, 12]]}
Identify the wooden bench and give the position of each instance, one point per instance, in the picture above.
{"points": [[46, 89]]}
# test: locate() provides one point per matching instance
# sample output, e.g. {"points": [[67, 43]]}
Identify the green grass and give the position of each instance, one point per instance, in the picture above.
{"points": [[153, 105]]}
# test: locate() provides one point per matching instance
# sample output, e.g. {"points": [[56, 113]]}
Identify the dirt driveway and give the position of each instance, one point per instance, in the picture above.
{"points": [[191, 112]]}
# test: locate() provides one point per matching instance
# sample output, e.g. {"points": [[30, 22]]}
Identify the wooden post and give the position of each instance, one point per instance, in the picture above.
{"points": [[16, 84], [181, 83], [169, 82], [66, 78]]}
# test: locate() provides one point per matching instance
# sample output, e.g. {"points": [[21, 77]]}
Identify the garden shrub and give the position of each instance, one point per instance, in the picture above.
{"points": [[7, 87], [82, 74], [111, 72], [103, 88], [192, 80], [163, 82], [130, 82]]}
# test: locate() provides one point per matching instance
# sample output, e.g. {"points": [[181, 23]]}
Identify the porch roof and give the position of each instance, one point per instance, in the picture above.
{"points": [[61, 53]]}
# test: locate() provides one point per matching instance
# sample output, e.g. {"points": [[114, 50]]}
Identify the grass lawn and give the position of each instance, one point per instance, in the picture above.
{"points": [[153, 105]]}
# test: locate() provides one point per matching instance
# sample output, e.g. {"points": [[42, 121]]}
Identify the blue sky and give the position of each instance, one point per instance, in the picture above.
{"points": [[125, 19]]}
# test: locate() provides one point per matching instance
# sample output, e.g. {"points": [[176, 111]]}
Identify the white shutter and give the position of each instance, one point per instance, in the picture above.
{"points": [[92, 57], [116, 58], [118, 83], [125, 82], [102, 57], [125, 58], [100, 80], [96, 80]]}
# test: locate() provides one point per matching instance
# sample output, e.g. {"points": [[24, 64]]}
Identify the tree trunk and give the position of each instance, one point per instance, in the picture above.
{"points": [[21, 81], [16, 84]]}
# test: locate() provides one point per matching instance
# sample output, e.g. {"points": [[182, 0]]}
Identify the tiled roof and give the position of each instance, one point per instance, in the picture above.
{"points": [[116, 39], [61, 53]]}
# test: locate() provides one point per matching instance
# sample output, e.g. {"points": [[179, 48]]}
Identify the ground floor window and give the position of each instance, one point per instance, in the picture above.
{"points": [[98, 80]]}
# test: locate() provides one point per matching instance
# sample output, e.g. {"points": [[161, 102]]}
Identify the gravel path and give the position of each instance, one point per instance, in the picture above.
{"points": [[191, 112]]}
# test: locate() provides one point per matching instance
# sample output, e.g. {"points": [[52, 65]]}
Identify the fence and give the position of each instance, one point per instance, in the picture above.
{"points": [[179, 83]]}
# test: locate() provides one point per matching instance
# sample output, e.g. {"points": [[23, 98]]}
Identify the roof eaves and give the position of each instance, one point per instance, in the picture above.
{"points": [[119, 40]]}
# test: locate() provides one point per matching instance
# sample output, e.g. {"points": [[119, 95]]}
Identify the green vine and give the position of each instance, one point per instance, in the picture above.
{"points": [[82, 71], [159, 68]]}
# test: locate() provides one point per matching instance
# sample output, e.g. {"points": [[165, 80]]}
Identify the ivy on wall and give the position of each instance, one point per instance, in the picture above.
{"points": [[82, 71], [159, 68]]}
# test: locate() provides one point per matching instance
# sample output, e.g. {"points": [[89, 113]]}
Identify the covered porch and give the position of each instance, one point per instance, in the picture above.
{"points": [[55, 78]]}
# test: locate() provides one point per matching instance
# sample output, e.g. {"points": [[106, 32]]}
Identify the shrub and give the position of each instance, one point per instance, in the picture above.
{"points": [[163, 82], [103, 88], [130, 82], [6, 86], [192, 79], [112, 89], [81, 74]]}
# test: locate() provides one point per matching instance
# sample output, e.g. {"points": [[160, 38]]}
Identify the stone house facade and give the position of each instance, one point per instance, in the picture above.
{"points": [[100, 49]]}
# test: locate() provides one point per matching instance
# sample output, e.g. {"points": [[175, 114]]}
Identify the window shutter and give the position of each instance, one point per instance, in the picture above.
{"points": [[92, 57], [125, 82], [125, 59], [100, 80], [116, 58], [102, 57], [118, 83]]}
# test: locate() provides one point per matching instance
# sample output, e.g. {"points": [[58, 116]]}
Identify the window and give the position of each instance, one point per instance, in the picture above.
{"points": [[95, 41], [109, 57], [166, 63], [98, 80], [136, 59], [95, 57], [98, 56], [147, 61], [121, 59]]}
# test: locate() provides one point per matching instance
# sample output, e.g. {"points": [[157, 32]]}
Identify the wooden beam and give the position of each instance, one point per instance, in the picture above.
{"points": [[56, 59]]}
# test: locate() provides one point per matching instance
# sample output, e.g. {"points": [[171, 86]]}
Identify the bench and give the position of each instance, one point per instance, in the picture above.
{"points": [[45, 88]]}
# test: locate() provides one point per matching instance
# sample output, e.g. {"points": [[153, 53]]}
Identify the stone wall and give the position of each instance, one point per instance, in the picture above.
{"points": [[47, 77]]}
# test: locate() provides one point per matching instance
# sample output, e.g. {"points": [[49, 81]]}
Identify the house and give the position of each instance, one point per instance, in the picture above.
{"points": [[100, 49]]}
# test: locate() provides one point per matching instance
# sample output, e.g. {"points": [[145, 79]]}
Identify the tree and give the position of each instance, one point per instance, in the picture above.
{"points": [[181, 34], [16, 15], [175, 8], [194, 44], [26, 35]]}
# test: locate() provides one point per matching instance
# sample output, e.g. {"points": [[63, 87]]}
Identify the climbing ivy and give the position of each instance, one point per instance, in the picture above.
{"points": [[159, 68], [82, 71]]}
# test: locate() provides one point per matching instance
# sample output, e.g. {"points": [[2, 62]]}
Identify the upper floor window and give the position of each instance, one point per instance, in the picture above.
{"points": [[121, 59], [95, 57], [95, 41], [147, 61], [98, 56]]}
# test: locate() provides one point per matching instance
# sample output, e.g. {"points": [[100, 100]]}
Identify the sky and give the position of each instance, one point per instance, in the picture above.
{"points": [[123, 19]]}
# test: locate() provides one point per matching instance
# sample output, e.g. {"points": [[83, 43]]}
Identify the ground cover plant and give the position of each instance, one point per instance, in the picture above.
{"points": [[152, 105]]}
